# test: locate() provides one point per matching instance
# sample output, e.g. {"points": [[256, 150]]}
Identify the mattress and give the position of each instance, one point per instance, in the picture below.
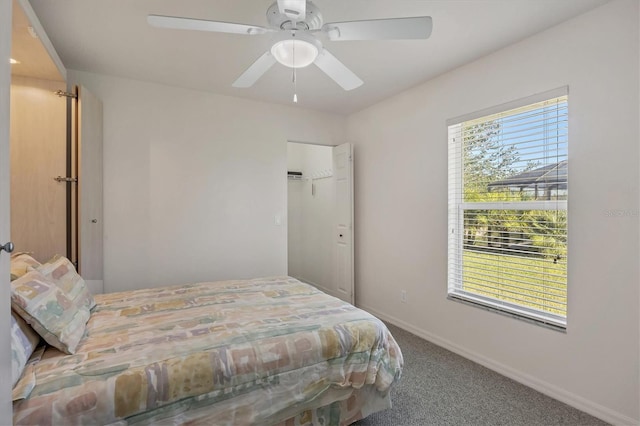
{"points": [[262, 351]]}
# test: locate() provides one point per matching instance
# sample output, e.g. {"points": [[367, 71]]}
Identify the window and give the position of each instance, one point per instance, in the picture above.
{"points": [[508, 192]]}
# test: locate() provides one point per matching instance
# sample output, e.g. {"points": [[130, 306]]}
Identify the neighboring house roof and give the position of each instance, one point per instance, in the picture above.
{"points": [[549, 176]]}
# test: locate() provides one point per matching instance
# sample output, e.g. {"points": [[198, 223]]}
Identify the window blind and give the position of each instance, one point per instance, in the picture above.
{"points": [[508, 191]]}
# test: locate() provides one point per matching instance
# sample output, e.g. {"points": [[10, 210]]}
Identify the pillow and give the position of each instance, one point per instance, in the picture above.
{"points": [[62, 272], [21, 263], [41, 303], [23, 341]]}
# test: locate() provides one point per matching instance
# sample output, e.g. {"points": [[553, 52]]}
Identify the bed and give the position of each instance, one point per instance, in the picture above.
{"points": [[265, 351]]}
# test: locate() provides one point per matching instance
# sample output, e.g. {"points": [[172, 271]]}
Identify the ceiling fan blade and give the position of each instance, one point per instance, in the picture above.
{"points": [[294, 9], [418, 27], [337, 70], [174, 22], [255, 71]]}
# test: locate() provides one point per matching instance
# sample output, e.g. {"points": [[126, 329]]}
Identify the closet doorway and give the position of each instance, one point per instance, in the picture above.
{"points": [[55, 155], [38, 135], [320, 217]]}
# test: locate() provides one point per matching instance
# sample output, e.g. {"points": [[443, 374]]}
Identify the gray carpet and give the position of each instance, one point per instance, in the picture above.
{"points": [[439, 387]]}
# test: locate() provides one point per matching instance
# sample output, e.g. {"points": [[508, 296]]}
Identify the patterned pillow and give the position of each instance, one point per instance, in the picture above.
{"points": [[23, 341], [21, 263], [50, 312], [62, 272]]}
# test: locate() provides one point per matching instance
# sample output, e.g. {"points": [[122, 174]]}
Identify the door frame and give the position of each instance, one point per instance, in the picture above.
{"points": [[352, 227], [6, 416]]}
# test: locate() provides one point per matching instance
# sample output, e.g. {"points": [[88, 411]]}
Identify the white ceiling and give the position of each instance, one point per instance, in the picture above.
{"points": [[112, 37]]}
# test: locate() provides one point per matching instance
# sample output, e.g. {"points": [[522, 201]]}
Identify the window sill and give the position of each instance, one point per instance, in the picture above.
{"points": [[479, 303]]}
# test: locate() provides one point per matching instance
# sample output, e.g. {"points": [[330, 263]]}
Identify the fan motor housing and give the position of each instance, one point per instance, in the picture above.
{"points": [[312, 21]]}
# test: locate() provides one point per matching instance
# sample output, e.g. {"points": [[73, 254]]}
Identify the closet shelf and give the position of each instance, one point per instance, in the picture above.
{"points": [[294, 175]]}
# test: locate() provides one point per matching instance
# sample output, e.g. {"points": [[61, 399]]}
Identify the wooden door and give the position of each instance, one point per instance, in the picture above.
{"points": [[38, 156], [90, 227], [343, 174]]}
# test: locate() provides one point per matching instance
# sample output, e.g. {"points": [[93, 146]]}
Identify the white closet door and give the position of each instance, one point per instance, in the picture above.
{"points": [[343, 174], [90, 227], [6, 417]]}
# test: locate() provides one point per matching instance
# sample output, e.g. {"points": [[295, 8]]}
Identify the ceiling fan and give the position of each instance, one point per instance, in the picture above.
{"points": [[294, 25]]}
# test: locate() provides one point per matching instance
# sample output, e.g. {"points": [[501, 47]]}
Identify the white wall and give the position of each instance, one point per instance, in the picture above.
{"points": [[295, 190], [311, 215], [314, 160], [193, 182], [401, 238]]}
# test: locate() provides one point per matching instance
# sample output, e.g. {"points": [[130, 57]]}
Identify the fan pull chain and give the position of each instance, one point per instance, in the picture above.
{"points": [[295, 84], [295, 87]]}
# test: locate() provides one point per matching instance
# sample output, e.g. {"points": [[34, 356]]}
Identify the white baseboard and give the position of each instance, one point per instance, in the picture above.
{"points": [[576, 401]]}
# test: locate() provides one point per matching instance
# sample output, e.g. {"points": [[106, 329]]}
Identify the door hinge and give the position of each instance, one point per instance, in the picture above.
{"points": [[66, 179], [62, 93]]}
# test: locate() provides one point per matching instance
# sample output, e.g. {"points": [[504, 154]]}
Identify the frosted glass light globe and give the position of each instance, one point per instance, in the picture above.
{"points": [[305, 52]]}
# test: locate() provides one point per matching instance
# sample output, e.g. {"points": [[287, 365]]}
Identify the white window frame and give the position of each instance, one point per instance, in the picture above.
{"points": [[457, 207]]}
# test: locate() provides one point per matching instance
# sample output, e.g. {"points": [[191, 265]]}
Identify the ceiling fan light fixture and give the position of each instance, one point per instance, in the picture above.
{"points": [[294, 24], [295, 52]]}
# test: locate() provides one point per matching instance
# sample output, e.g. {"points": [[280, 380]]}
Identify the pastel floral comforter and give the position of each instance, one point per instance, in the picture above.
{"points": [[263, 351]]}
